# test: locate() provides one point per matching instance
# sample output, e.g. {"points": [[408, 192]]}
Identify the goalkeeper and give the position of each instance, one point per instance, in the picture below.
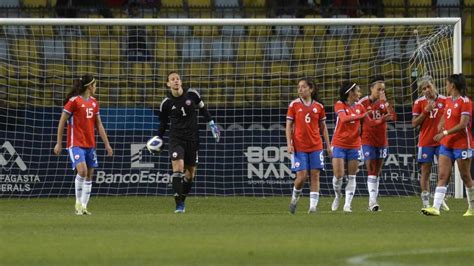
{"points": [[179, 108]]}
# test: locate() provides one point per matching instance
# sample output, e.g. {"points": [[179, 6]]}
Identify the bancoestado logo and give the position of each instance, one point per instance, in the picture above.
{"points": [[10, 161], [140, 172], [267, 165]]}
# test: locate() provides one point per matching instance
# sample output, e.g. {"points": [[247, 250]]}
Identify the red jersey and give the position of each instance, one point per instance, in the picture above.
{"points": [[83, 114], [452, 116], [375, 134], [306, 118], [347, 134], [429, 126]]}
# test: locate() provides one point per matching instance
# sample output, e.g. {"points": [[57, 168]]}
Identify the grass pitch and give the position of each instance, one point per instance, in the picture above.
{"points": [[235, 230]]}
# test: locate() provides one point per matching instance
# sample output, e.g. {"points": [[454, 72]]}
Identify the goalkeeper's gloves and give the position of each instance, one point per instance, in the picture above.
{"points": [[216, 133]]}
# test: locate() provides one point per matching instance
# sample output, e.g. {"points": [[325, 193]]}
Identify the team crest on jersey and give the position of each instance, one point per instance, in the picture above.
{"points": [[93, 104], [83, 105], [315, 110], [424, 155], [382, 106], [357, 111], [347, 110], [300, 110], [456, 105], [188, 102], [76, 157], [440, 105]]}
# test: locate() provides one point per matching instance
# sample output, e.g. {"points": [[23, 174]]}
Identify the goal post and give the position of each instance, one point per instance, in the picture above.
{"points": [[246, 71]]}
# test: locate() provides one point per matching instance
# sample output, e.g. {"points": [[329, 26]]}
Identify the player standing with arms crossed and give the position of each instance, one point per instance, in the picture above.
{"points": [[456, 143], [305, 122], [374, 136], [81, 111], [427, 113], [180, 109]]}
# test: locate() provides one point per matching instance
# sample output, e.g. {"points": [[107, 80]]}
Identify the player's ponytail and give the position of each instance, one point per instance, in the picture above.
{"points": [[79, 86], [459, 82]]}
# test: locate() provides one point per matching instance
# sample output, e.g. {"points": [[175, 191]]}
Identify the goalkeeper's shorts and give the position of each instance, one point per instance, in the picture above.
{"points": [[184, 150]]}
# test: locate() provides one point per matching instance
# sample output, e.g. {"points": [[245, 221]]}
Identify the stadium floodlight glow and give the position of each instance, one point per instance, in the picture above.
{"points": [[246, 71]]}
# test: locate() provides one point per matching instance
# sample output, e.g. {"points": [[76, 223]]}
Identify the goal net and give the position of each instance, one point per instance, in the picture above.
{"points": [[246, 71]]}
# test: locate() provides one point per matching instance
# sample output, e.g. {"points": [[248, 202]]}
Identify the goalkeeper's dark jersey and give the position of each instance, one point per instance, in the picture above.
{"points": [[181, 112]]}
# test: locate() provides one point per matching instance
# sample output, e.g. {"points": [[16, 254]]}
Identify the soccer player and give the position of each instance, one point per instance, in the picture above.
{"points": [[346, 142], [81, 111], [305, 120], [374, 137], [455, 136], [179, 107], [427, 113]]}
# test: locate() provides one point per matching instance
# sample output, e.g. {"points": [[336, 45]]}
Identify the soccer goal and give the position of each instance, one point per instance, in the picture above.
{"points": [[246, 71]]}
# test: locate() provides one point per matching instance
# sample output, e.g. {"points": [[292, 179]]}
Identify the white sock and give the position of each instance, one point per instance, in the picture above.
{"points": [[440, 192], [86, 193], [425, 198], [470, 197], [350, 189], [313, 199], [78, 184], [337, 185], [296, 195], [372, 186]]}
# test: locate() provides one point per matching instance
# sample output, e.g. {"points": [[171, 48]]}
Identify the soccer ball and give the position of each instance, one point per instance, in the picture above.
{"points": [[154, 144]]}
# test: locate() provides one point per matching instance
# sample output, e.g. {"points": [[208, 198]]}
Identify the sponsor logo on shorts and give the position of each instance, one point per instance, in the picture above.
{"points": [[297, 164], [367, 153], [76, 157], [424, 155]]}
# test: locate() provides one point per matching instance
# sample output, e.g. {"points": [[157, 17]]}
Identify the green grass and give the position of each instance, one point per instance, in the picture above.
{"points": [[235, 230]]}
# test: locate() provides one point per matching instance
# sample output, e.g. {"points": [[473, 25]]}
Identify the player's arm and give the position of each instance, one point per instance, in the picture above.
{"points": [[59, 137], [463, 123], [216, 133], [324, 130], [344, 118], [289, 135], [164, 115], [103, 135], [391, 114], [420, 115]]}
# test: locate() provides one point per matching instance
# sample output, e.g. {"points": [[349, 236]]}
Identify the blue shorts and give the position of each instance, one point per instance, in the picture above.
{"points": [[374, 153], [79, 155], [301, 161], [346, 154], [455, 154], [427, 154]]}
